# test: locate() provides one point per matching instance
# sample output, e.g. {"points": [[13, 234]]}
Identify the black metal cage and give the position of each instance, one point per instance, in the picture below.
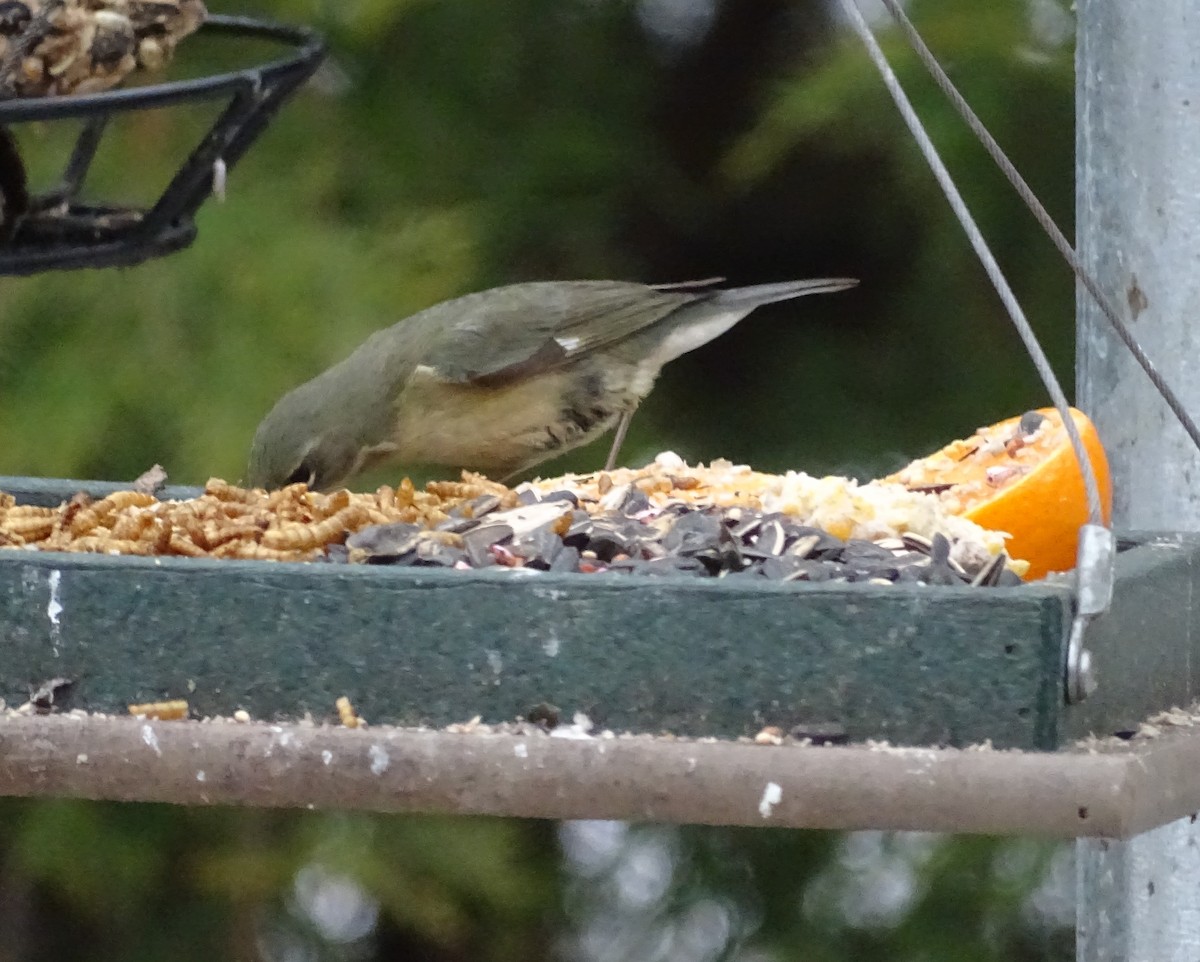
{"points": [[57, 231]]}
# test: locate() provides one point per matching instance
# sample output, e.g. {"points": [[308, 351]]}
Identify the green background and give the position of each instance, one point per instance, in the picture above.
{"points": [[451, 145]]}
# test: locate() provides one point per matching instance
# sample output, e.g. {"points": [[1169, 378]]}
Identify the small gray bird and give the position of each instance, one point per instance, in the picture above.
{"points": [[500, 380]]}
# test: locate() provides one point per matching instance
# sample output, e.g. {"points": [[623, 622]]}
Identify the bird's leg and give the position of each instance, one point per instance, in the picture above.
{"points": [[512, 476], [619, 438]]}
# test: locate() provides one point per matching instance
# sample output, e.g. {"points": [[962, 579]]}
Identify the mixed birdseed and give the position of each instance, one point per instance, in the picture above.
{"points": [[50, 47], [665, 518], [553, 532]]}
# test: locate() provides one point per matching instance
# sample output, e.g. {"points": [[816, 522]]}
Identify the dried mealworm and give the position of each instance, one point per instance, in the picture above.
{"points": [[161, 710], [346, 713], [301, 537]]}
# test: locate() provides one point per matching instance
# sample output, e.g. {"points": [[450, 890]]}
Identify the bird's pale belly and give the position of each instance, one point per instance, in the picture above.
{"points": [[504, 429]]}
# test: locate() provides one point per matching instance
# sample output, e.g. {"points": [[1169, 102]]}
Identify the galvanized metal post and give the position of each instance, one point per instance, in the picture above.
{"points": [[1138, 229]]}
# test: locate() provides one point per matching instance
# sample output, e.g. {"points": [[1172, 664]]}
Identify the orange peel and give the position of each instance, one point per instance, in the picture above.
{"points": [[1026, 483]]}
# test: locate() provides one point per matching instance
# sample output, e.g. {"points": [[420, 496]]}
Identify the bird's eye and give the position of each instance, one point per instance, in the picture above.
{"points": [[304, 473]]}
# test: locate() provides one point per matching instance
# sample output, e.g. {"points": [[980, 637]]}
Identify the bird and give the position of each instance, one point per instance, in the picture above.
{"points": [[498, 380]]}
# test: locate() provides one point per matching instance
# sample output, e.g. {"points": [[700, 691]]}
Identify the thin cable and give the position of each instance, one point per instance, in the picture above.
{"points": [[1057, 237], [1040, 361]]}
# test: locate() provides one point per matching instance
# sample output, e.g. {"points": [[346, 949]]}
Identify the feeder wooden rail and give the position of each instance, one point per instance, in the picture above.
{"points": [[1115, 791]]}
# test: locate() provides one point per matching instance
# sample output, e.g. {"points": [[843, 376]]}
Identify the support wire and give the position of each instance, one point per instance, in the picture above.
{"points": [[995, 275], [1041, 215]]}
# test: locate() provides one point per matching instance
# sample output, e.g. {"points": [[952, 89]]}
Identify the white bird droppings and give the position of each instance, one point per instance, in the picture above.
{"points": [[220, 178], [151, 739], [521, 750], [200, 776], [579, 729], [770, 798], [379, 759], [54, 609], [327, 757]]}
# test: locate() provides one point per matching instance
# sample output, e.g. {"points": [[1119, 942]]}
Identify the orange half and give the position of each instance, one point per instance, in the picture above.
{"points": [[1019, 476]]}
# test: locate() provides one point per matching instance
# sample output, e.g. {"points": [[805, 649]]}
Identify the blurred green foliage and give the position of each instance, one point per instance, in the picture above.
{"points": [[152, 882], [454, 144]]}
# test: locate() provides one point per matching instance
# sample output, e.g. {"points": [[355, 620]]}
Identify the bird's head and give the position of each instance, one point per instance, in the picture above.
{"points": [[296, 442]]}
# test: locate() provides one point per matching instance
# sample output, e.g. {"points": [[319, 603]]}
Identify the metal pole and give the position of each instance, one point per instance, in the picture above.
{"points": [[1138, 220], [1138, 223]]}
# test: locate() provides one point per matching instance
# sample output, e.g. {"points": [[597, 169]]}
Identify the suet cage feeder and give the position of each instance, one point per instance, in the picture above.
{"points": [[57, 230]]}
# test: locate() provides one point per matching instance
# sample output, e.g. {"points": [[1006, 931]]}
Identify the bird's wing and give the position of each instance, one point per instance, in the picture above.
{"points": [[524, 329]]}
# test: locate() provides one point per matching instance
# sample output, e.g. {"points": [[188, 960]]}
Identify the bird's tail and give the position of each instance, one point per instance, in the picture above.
{"points": [[758, 294]]}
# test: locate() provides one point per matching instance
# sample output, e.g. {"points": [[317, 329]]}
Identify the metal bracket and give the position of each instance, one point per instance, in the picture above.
{"points": [[1094, 573]]}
